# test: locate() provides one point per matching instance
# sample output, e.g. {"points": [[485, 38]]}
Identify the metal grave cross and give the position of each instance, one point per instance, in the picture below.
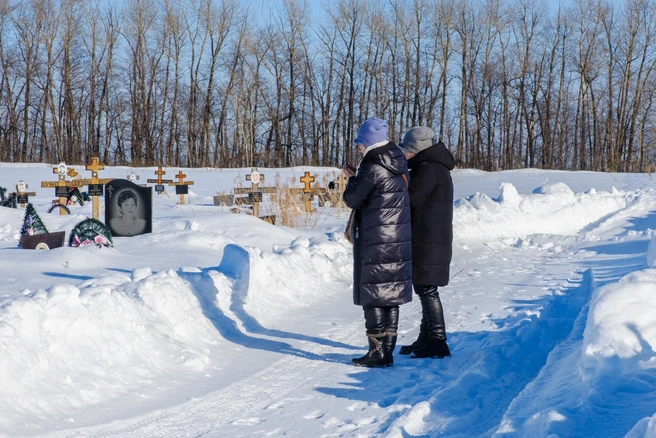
{"points": [[22, 193], [159, 187], [132, 177], [182, 186], [255, 191]]}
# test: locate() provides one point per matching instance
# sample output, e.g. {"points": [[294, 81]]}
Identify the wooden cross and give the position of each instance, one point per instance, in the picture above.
{"points": [[255, 191], [22, 194], [94, 167], [307, 180], [61, 186], [308, 192], [182, 186], [95, 185], [159, 188]]}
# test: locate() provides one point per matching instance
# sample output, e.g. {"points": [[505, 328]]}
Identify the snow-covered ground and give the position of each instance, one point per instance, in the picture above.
{"points": [[222, 325]]}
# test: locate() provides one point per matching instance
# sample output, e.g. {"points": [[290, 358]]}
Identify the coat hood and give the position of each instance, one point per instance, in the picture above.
{"points": [[390, 157], [436, 153]]}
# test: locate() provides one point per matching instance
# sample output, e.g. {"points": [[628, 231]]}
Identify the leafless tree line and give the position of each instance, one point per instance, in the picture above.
{"points": [[505, 84]]}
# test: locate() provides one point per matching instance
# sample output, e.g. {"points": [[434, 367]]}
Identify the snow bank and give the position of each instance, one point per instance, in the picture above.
{"points": [[620, 334], [117, 334], [651, 253], [644, 428], [273, 283], [550, 209], [70, 346]]}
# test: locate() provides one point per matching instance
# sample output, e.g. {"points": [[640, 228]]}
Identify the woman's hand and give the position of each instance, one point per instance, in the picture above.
{"points": [[348, 170]]}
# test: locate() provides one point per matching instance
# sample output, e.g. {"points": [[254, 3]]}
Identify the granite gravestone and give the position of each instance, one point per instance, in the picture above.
{"points": [[128, 208]]}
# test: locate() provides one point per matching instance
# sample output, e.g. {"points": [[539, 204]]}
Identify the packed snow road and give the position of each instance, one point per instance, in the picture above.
{"points": [[512, 310], [222, 325]]}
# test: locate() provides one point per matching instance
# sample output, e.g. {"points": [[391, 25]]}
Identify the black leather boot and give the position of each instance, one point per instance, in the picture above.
{"points": [[436, 345], [391, 325], [421, 338], [375, 357], [374, 319]]}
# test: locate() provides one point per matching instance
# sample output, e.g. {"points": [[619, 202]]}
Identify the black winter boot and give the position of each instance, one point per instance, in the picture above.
{"points": [[374, 320], [390, 343], [436, 345], [391, 325], [421, 339], [375, 357], [435, 349]]}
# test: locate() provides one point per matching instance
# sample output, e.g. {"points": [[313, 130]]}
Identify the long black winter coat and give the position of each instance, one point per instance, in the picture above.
{"points": [[431, 202], [382, 247]]}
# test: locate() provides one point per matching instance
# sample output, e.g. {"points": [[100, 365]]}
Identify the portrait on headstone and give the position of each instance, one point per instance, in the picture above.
{"points": [[128, 208]]}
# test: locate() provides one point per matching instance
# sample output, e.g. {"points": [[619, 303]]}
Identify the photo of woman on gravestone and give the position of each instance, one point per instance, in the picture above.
{"points": [[128, 222]]}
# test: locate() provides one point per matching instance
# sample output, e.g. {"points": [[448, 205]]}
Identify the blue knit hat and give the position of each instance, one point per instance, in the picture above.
{"points": [[371, 132]]}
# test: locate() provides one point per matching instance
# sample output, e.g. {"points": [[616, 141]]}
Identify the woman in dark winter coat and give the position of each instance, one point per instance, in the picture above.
{"points": [[382, 246], [431, 203]]}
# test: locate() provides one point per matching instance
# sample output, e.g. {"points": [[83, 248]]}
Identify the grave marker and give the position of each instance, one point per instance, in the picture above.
{"points": [[182, 186], [308, 180], [308, 191], [221, 199], [334, 193], [95, 185], [255, 191], [61, 186], [128, 208], [132, 177], [159, 188], [340, 183], [22, 195], [35, 235]]}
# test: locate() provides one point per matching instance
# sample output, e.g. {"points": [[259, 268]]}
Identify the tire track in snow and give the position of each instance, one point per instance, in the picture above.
{"points": [[465, 395], [241, 404], [468, 393]]}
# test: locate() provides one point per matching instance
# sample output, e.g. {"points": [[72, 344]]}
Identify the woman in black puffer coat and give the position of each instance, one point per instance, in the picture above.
{"points": [[382, 246], [431, 202]]}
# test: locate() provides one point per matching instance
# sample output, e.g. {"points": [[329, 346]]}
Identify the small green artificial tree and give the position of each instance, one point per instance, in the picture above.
{"points": [[32, 223]]}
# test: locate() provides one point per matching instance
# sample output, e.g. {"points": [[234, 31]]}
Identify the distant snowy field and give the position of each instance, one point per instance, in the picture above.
{"points": [[219, 324]]}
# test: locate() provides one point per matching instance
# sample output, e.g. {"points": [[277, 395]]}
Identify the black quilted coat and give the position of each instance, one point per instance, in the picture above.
{"points": [[382, 247], [431, 202]]}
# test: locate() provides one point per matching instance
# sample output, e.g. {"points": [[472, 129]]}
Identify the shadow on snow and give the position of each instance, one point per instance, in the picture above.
{"points": [[236, 266], [469, 392]]}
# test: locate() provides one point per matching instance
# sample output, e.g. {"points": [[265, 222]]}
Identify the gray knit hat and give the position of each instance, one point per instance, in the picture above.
{"points": [[417, 139]]}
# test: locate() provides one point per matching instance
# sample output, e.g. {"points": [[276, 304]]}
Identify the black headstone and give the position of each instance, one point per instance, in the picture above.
{"points": [[43, 241], [128, 208]]}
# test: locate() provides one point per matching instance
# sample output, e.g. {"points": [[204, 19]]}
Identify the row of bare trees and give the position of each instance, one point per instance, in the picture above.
{"points": [[505, 84]]}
